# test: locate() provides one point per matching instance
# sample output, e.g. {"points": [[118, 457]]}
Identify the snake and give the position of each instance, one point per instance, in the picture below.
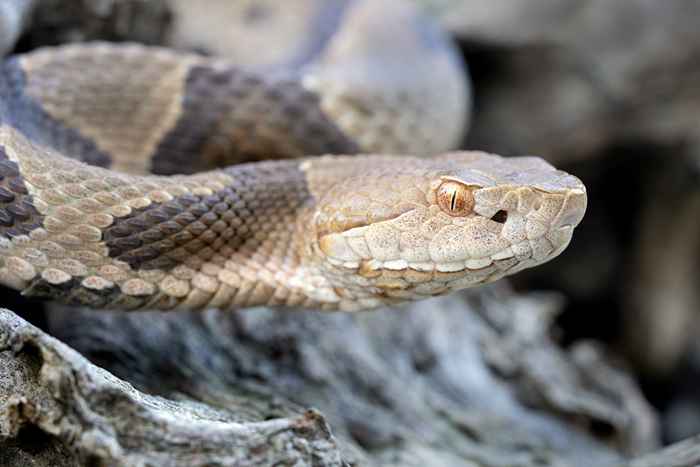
{"points": [[143, 177]]}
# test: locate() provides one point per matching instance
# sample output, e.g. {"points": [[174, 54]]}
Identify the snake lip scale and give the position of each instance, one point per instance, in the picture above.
{"points": [[103, 204]]}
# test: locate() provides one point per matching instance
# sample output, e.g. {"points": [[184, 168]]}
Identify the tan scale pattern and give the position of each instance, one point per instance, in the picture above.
{"points": [[151, 109], [100, 90]]}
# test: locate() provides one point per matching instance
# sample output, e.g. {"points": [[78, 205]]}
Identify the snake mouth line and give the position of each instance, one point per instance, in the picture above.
{"points": [[517, 253], [370, 267]]}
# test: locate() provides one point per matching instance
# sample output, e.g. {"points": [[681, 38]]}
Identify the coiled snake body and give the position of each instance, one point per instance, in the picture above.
{"points": [[81, 223]]}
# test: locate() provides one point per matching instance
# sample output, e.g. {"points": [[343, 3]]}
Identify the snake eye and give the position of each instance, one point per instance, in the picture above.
{"points": [[455, 199]]}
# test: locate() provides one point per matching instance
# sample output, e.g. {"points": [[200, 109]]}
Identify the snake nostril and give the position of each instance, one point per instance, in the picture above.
{"points": [[501, 217]]}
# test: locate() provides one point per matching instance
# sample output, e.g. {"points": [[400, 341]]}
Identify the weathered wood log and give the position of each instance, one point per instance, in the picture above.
{"points": [[57, 409], [465, 379]]}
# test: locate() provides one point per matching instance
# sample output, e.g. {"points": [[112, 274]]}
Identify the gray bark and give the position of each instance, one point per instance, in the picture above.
{"points": [[58, 409], [464, 380]]}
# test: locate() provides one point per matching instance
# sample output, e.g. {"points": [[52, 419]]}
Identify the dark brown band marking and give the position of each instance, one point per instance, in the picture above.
{"points": [[26, 115], [231, 116], [163, 235]]}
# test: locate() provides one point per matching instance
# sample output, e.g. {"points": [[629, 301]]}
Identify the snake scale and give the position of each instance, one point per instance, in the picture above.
{"points": [[109, 196]]}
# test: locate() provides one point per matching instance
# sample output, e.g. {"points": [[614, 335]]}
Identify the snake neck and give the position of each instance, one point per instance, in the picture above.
{"points": [[271, 257], [246, 244]]}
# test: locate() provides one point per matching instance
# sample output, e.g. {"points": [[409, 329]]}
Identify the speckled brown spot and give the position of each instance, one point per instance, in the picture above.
{"points": [[97, 283], [21, 268], [55, 276], [175, 287]]}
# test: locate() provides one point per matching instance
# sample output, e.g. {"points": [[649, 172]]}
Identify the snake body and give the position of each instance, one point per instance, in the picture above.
{"points": [[82, 223]]}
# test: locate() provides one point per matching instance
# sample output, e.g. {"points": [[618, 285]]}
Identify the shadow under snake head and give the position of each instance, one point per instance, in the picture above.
{"points": [[410, 229]]}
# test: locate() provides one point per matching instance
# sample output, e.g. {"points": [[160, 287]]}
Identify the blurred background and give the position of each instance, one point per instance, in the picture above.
{"points": [[608, 90]]}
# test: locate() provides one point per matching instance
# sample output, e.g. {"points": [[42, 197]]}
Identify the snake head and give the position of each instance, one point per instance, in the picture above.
{"points": [[411, 229]]}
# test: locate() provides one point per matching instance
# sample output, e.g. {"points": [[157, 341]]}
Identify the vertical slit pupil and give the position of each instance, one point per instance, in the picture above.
{"points": [[453, 201]]}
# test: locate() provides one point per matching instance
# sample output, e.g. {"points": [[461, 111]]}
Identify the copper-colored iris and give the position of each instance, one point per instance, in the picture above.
{"points": [[455, 198]]}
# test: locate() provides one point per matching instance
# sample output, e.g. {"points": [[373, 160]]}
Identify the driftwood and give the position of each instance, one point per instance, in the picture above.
{"points": [[58, 409], [465, 380]]}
